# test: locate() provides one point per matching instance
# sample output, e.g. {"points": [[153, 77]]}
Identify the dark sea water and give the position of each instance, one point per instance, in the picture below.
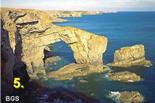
{"points": [[121, 29]]}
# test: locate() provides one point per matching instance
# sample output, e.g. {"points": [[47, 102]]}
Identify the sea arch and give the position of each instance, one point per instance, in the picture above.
{"points": [[87, 48]]}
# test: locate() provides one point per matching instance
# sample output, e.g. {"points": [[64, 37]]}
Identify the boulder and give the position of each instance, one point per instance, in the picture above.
{"points": [[130, 56]]}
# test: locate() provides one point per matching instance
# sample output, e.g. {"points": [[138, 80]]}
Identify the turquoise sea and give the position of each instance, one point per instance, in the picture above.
{"points": [[122, 29]]}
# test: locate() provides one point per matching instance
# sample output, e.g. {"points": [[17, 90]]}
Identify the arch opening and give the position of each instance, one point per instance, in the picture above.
{"points": [[58, 55]]}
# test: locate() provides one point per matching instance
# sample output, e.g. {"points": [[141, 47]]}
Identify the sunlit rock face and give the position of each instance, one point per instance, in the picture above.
{"points": [[130, 56], [87, 48], [31, 31]]}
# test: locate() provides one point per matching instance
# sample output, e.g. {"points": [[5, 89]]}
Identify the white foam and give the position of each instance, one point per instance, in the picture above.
{"points": [[130, 81], [115, 95]]}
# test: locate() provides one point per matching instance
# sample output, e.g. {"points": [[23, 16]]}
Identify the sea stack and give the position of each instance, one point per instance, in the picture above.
{"points": [[130, 56]]}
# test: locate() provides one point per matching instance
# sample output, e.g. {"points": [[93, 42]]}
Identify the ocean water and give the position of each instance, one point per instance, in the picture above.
{"points": [[121, 29]]}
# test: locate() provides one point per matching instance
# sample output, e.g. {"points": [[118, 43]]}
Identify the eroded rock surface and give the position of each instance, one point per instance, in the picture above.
{"points": [[124, 76], [130, 56], [31, 31]]}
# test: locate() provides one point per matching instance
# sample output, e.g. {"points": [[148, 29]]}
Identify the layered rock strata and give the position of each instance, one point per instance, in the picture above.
{"points": [[31, 31], [130, 56]]}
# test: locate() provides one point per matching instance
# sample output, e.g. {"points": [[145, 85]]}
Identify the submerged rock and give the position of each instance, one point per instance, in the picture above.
{"points": [[127, 97], [75, 70], [51, 60], [130, 56], [124, 76]]}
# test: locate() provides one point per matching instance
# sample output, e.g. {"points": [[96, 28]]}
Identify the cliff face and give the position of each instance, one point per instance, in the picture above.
{"points": [[31, 31], [10, 55], [130, 56]]}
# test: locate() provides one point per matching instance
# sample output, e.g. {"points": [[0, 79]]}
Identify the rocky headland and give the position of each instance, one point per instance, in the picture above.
{"points": [[130, 56], [58, 16], [26, 35], [31, 31]]}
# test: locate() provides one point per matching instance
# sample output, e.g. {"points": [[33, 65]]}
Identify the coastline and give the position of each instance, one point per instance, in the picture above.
{"points": [[43, 30]]}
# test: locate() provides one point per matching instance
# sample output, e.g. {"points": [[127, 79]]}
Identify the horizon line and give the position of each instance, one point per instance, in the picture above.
{"points": [[110, 10]]}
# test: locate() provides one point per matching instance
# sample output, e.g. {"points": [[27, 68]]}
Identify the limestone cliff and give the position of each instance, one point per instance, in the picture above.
{"points": [[55, 16], [31, 31], [130, 56]]}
